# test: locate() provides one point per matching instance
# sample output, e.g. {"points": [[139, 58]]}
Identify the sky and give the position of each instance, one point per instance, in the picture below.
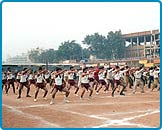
{"points": [[46, 25]]}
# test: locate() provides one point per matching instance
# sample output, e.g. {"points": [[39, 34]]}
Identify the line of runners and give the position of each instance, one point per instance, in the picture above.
{"points": [[89, 79]]}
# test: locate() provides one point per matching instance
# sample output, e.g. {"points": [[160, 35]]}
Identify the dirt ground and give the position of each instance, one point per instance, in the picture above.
{"points": [[129, 111]]}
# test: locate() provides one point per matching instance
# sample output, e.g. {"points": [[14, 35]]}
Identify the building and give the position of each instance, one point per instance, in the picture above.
{"points": [[19, 59], [143, 44]]}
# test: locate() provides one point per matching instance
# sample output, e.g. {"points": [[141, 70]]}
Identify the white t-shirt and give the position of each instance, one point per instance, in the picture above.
{"points": [[23, 78], [145, 73], [91, 75], [156, 73], [9, 76], [40, 79], [84, 79], [117, 76], [101, 76], [138, 74], [58, 80], [71, 76], [151, 72], [30, 77], [47, 76], [3, 76], [18, 76], [109, 74]]}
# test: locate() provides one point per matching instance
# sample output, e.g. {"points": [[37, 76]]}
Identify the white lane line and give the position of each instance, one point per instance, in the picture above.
{"points": [[112, 103], [124, 121], [120, 123], [30, 116], [129, 112], [142, 115], [110, 122], [32, 106]]}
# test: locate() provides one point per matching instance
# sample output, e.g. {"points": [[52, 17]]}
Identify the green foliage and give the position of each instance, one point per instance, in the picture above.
{"points": [[111, 46], [69, 50]]}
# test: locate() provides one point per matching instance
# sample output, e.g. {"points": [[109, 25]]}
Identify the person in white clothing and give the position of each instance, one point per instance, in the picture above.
{"points": [[24, 82], [80, 76], [138, 80], [4, 80], [18, 77], [91, 76], [119, 80], [110, 77], [156, 79], [31, 78], [85, 83], [151, 77], [71, 81], [10, 81], [59, 85], [102, 79], [40, 84]]}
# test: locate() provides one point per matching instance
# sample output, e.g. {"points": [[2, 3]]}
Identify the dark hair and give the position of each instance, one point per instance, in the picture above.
{"points": [[24, 69], [109, 68], [117, 67], [151, 68], [155, 67], [58, 68], [71, 67], [140, 67], [85, 69], [101, 67], [40, 68]]}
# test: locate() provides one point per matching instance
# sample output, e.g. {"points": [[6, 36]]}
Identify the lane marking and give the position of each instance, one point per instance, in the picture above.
{"points": [[125, 121], [30, 116]]}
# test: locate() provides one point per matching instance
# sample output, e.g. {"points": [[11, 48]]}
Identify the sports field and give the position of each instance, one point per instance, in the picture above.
{"points": [[139, 110]]}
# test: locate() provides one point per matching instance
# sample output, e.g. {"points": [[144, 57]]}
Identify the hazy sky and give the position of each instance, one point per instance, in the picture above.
{"points": [[46, 25]]}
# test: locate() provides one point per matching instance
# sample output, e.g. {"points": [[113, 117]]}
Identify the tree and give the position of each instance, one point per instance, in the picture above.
{"points": [[116, 44], [110, 47], [96, 44], [49, 56], [42, 56], [34, 54], [69, 50]]}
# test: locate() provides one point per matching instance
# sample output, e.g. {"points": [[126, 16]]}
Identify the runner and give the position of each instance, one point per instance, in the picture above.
{"points": [[59, 85], [85, 83], [71, 81], [24, 82], [40, 84]]}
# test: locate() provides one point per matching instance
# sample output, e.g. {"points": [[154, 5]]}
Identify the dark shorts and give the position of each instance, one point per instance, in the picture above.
{"points": [[85, 85], [48, 80], [10, 81], [91, 79], [102, 82], [4, 81], [18, 80], [59, 87], [24, 83], [13, 79], [71, 82], [32, 81], [40, 85]]}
